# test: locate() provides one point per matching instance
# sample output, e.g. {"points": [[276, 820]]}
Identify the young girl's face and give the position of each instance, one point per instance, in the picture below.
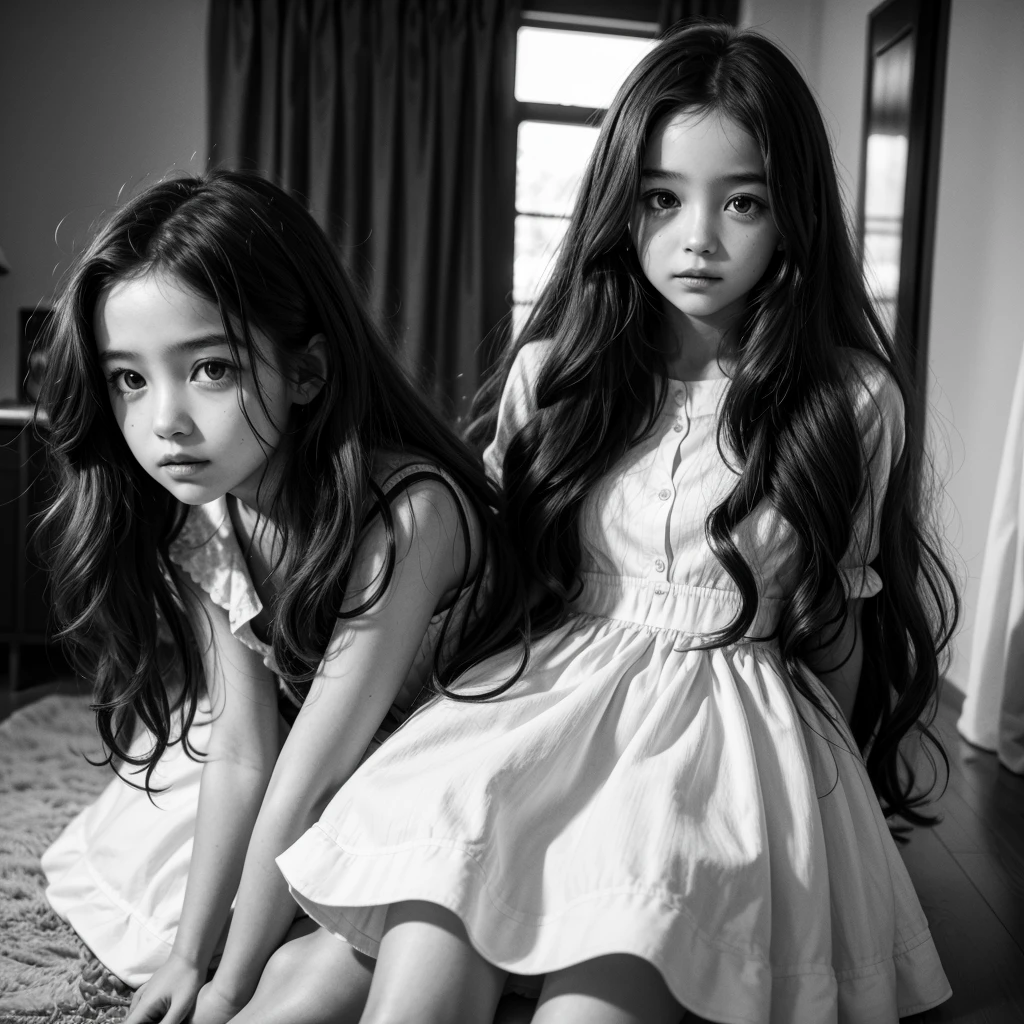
{"points": [[178, 393], [701, 225]]}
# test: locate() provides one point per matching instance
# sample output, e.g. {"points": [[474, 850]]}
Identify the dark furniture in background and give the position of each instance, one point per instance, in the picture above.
{"points": [[31, 323], [900, 145], [28, 654]]}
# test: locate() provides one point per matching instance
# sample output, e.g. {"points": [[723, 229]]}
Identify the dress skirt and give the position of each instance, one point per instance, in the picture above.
{"points": [[633, 795], [117, 872]]}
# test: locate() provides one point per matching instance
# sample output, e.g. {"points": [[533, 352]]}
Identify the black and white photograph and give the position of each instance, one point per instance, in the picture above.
{"points": [[511, 512]]}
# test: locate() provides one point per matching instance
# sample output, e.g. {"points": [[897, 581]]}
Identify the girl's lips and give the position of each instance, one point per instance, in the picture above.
{"points": [[697, 280], [185, 468]]}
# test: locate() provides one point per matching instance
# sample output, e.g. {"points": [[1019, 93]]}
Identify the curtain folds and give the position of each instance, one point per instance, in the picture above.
{"points": [[993, 711], [672, 11], [395, 120]]}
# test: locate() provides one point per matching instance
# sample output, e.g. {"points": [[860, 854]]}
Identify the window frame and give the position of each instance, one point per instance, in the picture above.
{"points": [[558, 113]]}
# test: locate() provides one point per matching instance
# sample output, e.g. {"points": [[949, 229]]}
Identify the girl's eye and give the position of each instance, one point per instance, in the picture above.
{"points": [[126, 381], [746, 206], [660, 201], [213, 372]]}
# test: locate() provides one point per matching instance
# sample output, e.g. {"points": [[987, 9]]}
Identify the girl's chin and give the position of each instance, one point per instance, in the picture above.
{"points": [[705, 308], [189, 493]]}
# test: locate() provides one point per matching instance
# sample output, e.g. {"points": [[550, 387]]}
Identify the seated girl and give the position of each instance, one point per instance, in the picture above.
{"points": [[264, 547]]}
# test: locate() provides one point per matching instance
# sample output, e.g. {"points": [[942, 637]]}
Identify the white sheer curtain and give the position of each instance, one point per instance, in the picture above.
{"points": [[993, 711]]}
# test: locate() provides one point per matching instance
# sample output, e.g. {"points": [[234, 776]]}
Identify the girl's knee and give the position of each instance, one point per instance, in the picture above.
{"points": [[311, 979], [613, 989], [285, 963]]}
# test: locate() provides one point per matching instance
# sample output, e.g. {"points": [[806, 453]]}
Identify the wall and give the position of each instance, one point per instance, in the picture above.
{"points": [[976, 335], [817, 35], [795, 25], [99, 96]]}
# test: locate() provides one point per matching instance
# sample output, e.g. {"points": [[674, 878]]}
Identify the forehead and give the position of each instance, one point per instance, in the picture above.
{"points": [[151, 311], [702, 144]]}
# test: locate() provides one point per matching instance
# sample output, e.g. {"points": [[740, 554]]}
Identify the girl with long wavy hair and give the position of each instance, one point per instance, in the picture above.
{"points": [[706, 442], [264, 548]]}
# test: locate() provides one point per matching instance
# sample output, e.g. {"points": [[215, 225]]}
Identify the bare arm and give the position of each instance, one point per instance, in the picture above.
{"points": [[838, 660], [362, 672], [243, 747]]}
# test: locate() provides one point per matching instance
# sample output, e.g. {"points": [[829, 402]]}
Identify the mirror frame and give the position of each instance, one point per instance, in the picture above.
{"points": [[926, 22]]}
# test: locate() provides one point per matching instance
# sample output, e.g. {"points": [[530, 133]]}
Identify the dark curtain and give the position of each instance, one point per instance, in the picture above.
{"points": [[395, 119], [665, 12], [672, 11]]}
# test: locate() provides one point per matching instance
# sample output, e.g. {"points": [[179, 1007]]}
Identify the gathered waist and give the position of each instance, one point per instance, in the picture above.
{"points": [[675, 608]]}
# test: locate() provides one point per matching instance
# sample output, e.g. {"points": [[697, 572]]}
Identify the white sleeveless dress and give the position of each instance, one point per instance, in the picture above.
{"points": [[630, 795], [117, 872]]}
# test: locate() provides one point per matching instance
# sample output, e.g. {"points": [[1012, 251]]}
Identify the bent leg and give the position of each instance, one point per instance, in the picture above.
{"points": [[616, 989], [314, 979], [429, 973]]}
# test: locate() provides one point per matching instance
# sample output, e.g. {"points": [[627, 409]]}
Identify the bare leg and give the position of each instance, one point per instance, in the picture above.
{"points": [[314, 978], [617, 989], [428, 973]]}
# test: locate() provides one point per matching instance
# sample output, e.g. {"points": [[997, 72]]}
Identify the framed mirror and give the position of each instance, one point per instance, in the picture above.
{"points": [[906, 62]]}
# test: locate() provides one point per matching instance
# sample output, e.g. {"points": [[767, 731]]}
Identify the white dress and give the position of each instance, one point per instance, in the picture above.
{"points": [[117, 872], [630, 795]]}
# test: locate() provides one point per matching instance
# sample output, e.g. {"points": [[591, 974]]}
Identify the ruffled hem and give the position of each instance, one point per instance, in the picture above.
{"points": [[127, 944], [348, 893]]}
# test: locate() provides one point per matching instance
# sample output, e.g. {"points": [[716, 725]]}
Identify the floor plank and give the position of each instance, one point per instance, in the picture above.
{"points": [[984, 964], [969, 874]]}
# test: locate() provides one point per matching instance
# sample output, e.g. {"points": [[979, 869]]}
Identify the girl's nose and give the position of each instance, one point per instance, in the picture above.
{"points": [[699, 235], [171, 418]]}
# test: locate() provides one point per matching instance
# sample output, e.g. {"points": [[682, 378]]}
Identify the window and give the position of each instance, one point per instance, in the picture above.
{"points": [[568, 69]]}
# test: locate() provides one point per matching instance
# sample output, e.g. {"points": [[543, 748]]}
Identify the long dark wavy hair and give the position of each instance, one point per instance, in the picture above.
{"points": [[248, 247], [788, 416]]}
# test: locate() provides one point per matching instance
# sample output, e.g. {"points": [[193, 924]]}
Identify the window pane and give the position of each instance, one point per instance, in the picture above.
{"points": [[537, 239], [581, 69], [549, 163]]}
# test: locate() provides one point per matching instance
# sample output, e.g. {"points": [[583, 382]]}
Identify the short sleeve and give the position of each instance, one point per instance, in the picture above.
{"points": [[879, 412], [208, 551], [518, 404]]}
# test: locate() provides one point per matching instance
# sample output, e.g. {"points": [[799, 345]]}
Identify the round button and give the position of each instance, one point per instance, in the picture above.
{"points": [[659, 564], [678, 428], [664, 494]]}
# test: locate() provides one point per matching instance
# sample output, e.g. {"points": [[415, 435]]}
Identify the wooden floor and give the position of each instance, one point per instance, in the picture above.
{"points": [[969, 874], [968, 871]]}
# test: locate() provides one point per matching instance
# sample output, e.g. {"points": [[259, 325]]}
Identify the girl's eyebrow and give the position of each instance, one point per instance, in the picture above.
{"points": [[739, 178], [189, 345]]}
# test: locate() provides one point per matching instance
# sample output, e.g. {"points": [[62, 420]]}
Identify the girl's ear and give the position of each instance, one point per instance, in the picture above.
{"points": [[311, 371]]}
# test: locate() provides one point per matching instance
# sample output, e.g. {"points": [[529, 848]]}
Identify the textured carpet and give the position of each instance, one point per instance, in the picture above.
{"points": [[46, 972]]}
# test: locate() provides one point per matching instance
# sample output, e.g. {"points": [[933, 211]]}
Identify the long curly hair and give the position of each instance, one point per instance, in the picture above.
{"points": [[788, 416], [246, 246]]}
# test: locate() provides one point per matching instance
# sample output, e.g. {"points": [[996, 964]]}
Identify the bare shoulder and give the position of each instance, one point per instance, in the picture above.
{"points": [[430, 525], [422, 497], [430, 506]]}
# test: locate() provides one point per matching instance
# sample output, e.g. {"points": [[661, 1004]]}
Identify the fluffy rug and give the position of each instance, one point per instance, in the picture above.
{"points": [[46, 972]]}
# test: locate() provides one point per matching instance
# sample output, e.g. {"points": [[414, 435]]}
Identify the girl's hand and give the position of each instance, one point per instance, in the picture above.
{"points": [[168, 997], [213, 1007]]}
